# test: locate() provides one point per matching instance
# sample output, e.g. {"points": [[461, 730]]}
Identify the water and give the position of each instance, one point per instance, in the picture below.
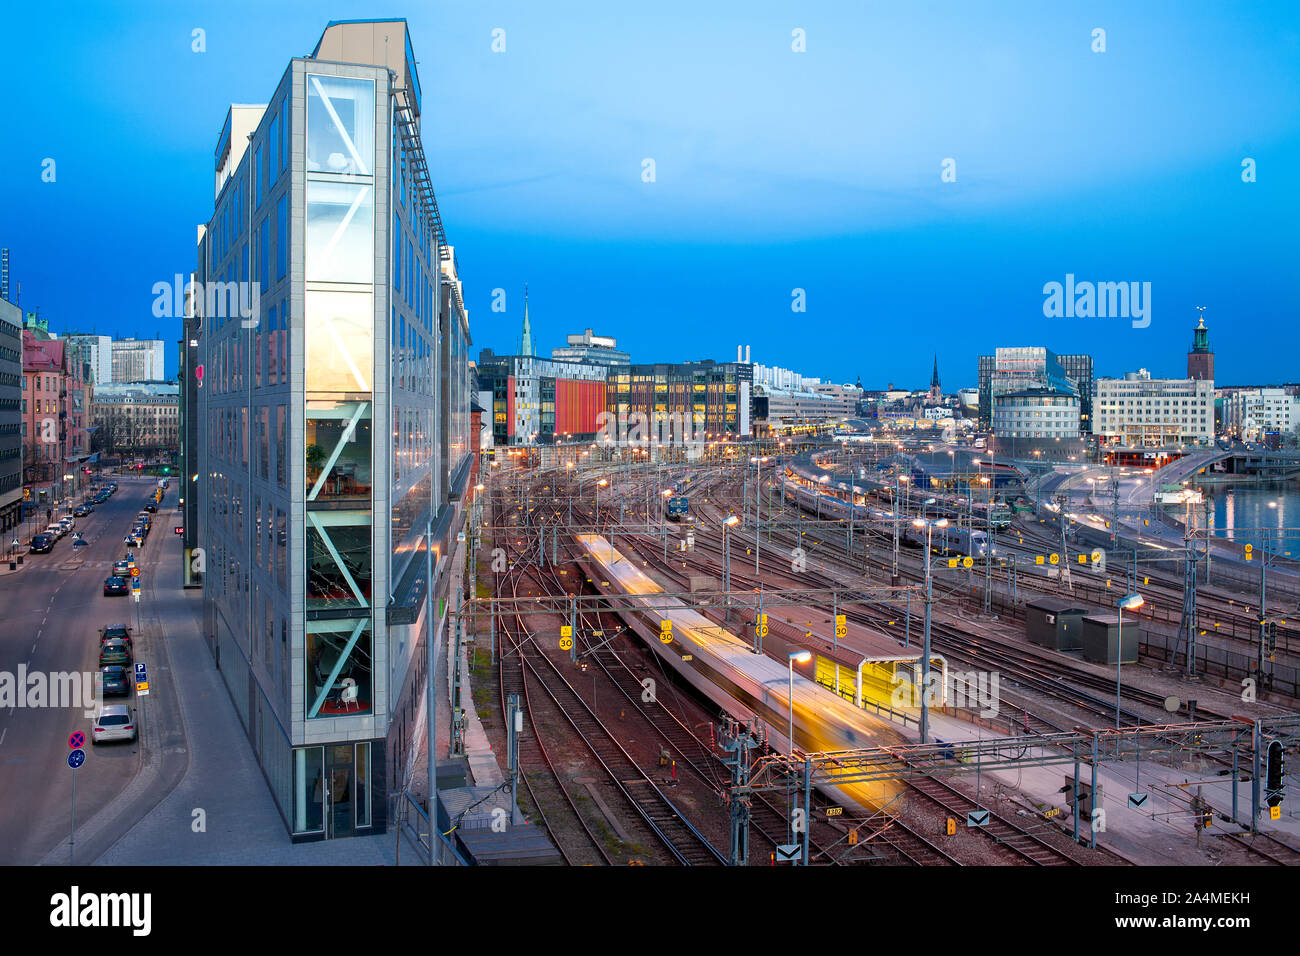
{"points": [[1243, 513]]}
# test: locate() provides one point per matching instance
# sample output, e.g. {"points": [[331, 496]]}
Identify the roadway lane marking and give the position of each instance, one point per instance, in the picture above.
{"points": [[2, 735]]}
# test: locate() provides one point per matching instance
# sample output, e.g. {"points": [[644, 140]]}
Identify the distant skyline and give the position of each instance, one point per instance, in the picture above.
{"points": [[775, 171]]}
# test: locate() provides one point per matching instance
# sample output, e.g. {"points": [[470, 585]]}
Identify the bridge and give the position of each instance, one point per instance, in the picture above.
{"points": [[1231, 464]]}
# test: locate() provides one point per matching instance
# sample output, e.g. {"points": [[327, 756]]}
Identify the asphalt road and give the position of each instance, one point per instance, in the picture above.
{"points": [[50, 615]]}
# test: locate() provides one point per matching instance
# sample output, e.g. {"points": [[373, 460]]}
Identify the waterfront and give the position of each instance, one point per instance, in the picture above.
{"points": [[1243, 514]]}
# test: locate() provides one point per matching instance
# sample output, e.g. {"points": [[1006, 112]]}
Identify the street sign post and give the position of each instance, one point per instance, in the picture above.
{"points": [[141, 679], [76, 757]]}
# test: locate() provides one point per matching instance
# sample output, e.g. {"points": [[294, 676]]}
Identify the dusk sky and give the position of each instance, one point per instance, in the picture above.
{"points": [[774, 171]]}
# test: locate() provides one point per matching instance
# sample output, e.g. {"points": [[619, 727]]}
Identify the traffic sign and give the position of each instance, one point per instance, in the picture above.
{"points": [[1096, 555], [967, 561], [788, 852], [1275, 813], [1054, 558], [76, 758], [135, 572], [1038, 559], [77, 740], [978, 818], [566, 643], [841, 626], [178, 529], [566, 630], [1137, 800]]}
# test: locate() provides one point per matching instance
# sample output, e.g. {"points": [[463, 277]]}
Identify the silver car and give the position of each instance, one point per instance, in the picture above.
{"points": [[115, 722]]}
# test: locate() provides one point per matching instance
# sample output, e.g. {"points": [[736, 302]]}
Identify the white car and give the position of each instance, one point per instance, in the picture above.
{"points": [[115, 722], [57, 530]]}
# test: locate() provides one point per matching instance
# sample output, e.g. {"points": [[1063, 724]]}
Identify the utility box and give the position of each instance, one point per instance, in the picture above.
{"points": [[1055, 622], [1101, 639]]}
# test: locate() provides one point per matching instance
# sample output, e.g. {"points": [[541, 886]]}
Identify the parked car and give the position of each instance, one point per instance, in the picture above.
{"points": [[151, 507], [81, 511], [42, 543], [115, 586], [114, 722], [56, 531], [116, 681], [122, 569], [115, 632], [114, 652], [134, 539]]}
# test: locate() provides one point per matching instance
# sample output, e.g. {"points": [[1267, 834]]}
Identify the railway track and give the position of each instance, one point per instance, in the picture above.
{"points": [[542, 680]]}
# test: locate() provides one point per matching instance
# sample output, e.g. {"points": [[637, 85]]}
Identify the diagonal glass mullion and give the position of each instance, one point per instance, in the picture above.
{"points": [[338, 558], [347, 356], [338, 668], [343, 225], [348, 434], [338, 124]]}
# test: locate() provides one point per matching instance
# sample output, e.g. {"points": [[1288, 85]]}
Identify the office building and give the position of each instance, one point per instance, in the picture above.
{"points": [[11, 417], [334, 446], [1255, 414], [1139, 411], [1018, 369], [712, 398], [137, 360]]}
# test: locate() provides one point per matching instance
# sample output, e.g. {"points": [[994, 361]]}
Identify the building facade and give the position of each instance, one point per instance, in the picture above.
{"points": [[1253, 414], [1036, 413], [137, 360], [57, 397], [1017, 369], [712, 398], [537, 401], [333, 448], [137, 421], [1139, 411], [11, 416]]}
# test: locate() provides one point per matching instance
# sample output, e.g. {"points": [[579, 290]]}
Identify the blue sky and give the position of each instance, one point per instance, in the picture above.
{"points": [[775, 170]]}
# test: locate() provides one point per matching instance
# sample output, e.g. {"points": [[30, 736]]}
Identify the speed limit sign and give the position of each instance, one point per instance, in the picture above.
{"points": [[566, 643]]}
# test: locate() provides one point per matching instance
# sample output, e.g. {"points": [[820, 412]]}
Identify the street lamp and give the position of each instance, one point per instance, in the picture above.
{"points": [[729, 522], [803, 657], [1129, 602], [929, 525]]}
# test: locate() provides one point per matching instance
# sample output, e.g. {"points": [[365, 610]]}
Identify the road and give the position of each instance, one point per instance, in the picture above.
{"points": [[52, 611]]}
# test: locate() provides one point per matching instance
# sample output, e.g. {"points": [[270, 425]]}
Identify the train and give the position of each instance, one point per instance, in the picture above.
{"points": [[725, 669], [677, 508]]}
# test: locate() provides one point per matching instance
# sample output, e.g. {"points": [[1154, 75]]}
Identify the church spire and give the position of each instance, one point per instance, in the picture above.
{"points": [[526, 347], [934, 379]]}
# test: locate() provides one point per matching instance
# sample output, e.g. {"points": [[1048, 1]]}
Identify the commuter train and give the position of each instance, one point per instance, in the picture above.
{"points": [[725, 669]]}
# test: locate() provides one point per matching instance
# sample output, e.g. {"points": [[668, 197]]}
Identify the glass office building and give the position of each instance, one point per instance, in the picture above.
{"points": [[333, 425]]}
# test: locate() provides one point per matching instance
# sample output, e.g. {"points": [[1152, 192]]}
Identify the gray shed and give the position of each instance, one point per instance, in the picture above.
{"points": [[1055, 622], [1101, 638]]}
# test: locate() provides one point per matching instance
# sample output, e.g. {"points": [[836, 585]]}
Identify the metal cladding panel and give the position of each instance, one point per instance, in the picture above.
{"points": [[577, 405], [510, 405]]}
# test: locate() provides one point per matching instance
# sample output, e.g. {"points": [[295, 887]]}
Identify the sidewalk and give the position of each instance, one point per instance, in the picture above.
{"points": [[223, 778]]}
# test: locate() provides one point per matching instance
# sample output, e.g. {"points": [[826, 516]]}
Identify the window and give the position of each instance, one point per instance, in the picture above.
{"points": [[281, 237]]}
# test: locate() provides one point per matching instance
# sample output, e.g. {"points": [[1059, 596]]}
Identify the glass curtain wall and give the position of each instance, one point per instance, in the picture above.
{"points": [[339, 400]]}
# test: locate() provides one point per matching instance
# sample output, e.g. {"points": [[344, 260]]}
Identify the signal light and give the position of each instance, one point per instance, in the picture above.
{"points": [[1276, 770]]}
